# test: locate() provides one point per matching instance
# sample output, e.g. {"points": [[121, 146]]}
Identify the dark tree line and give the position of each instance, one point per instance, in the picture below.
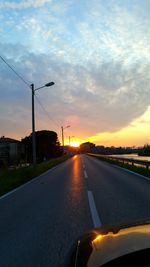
{"points": [[145, 151], [47, 145]]}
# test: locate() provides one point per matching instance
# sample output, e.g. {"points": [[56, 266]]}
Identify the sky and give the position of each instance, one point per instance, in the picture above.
{"points": [[97, 53]]}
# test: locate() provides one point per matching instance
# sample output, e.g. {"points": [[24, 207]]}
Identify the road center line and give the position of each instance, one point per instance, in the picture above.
{"points": [[95, 217], [85, 174]]}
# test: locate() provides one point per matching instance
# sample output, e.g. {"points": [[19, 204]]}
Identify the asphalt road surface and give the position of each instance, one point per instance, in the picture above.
{"points": [[40, 220]]}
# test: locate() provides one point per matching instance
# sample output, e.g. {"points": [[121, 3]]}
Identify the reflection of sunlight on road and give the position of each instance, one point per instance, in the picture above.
{"points": [[75, 201], [76, 181], [76, 171]]}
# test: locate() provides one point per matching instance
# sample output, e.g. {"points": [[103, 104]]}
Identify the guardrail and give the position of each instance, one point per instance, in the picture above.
{"points": [[133, 162]]}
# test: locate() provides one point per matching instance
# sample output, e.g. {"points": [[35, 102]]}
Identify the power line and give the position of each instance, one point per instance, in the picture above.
{"points": [[46, 112], [14, 71], [20, 77]]}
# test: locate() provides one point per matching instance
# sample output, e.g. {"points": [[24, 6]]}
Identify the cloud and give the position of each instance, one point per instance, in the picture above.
{"points": [[24, 4], [98, 57], [72, 120], [83, 95]]}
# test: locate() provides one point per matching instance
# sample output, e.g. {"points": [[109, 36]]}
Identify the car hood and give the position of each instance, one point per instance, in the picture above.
{"points": [[100, 246], [114, 244]]}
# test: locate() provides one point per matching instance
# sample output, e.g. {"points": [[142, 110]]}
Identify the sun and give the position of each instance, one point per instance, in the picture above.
{"points": [[75, 143]]}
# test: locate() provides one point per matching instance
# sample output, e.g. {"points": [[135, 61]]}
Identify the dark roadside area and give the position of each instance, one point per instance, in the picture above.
{"points": [[12, 178]]}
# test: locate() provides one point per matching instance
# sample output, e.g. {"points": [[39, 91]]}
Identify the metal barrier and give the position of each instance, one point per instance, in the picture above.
{"points": [[144, 163]]}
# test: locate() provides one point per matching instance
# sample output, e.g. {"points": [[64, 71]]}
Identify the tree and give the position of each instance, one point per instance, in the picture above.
{"points": [[145, 151], [47, 145]]}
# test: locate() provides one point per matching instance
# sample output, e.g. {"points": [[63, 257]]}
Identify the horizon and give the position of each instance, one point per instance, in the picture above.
{"points": [[75, 143]]}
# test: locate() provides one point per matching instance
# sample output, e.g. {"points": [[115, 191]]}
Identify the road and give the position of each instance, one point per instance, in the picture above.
{"points": [[40, 220]]}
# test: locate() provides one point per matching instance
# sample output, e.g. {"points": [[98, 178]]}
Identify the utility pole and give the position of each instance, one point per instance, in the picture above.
{"points": [[33, 127], [33, 120], [62, 129], [70, 139]]}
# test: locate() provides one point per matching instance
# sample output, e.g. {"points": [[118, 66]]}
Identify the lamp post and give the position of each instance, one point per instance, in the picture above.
{"points": [[62, 130], [33, 119], [70, 139]]}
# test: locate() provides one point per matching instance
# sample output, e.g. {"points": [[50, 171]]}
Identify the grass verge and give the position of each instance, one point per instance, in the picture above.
{"points": [[137, 169], [10, 179]]}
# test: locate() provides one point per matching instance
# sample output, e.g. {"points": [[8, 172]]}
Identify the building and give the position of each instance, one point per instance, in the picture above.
{"points": [[11, 150], [87, 147]]}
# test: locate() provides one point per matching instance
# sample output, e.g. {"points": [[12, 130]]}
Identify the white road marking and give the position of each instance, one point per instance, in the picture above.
{"points": [[83, 166], [95, 217], [82, 160], [140, 175], [29, 182], [85, 174]]}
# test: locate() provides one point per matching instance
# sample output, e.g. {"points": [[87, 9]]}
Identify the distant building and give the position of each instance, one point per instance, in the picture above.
{"points": [[87, 147], [10, 150]]}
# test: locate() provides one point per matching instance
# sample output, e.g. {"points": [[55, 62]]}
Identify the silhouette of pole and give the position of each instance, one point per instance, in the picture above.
{"points": [[62, 131], [33, 120], [70, 139], [33, 128]]}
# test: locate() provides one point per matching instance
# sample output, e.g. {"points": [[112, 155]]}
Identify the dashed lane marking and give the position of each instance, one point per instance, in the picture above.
{"points": [[85, 174], [95, 217]]}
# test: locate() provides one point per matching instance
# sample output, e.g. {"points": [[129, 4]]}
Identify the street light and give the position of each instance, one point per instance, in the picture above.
{"points": [[62, 129], [70, 139], [33, 119], [46, 85]]}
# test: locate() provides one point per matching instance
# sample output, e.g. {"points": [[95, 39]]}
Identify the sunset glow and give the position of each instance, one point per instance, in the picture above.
{"points": [[137, 133], [75, 143]]}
